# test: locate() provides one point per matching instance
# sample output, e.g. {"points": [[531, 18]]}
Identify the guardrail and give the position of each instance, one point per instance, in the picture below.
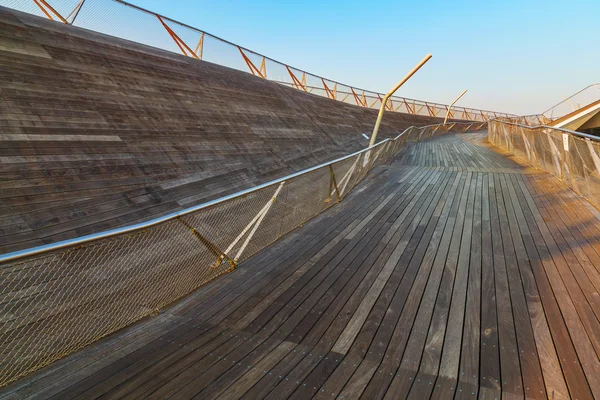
{"points": [[530, 120], [58, 298], [583, 97], [121, 19], [571, 156]]}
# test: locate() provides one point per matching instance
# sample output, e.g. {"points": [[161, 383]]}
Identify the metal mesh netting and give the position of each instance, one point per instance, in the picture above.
{"points": [[58, 301], [529, 120], [120, 19], [573, 159], [588, 95]]}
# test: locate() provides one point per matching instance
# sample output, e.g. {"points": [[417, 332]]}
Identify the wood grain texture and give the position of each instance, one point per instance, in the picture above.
{"points": [[98, 132], [452, 272]]}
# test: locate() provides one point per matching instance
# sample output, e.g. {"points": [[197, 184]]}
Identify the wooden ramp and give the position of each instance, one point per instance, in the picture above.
{"points": [[454, 272], [98, 132]]}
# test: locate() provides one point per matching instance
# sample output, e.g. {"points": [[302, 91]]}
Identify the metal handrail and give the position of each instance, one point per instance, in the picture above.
{"points": [[543, 117], [571, 156], [291, 66], [59, 298], [580, 134], [143, 225], [570, 97], [398, 98], [473, 114]]}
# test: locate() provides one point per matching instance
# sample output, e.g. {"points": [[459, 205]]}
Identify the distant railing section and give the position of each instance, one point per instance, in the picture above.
{"points": [[573, 157], [529, 120], [58, 298], [127, 21], [585, 96]]}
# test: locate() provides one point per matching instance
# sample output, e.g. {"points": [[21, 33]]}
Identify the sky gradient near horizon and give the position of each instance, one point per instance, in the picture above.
{"points": [[514, 56]]}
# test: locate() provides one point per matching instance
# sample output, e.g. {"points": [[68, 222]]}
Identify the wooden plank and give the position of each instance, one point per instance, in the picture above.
{"points": [[434, 314], [131, 98], [587, 276], [384, 317], [523, 289], [468, 377], [490, 369], [406, 215], [576, 216], [221, 304], [575, 280], [580, 339], [100, 377], [156, 382], [352, 329], [409, 360], [510, 368], [271, 330], [552, 372], [243, 384], [337, 257], [571, 366], [450, 360], [453, 272], [391, 339]]}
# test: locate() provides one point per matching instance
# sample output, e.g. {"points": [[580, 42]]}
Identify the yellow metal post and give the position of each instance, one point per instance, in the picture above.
{"points": [[390, 93], [454, 102]]}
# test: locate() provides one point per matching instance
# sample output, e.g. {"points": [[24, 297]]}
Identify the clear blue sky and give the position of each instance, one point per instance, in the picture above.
{"points": [[519, 56]]}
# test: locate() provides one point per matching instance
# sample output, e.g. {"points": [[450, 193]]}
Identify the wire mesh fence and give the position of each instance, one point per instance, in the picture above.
{"points": [[58, 299], [531, 120], [572, 157], [578, 101], [120, 19]]}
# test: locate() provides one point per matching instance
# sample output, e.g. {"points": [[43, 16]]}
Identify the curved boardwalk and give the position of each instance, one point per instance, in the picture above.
{"points": [[453, 272]]}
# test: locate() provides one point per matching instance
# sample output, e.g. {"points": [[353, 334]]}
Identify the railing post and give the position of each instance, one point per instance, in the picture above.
{"points": [[200, 46], [178, 41], [258, 222], [75, 12], [213, 248], [295, 82], [251, 66], [42, 3], [334, 183]]}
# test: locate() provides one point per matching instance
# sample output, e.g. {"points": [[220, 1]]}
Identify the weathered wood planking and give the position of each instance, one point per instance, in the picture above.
{"points": [[452, 272], [98, 132]]}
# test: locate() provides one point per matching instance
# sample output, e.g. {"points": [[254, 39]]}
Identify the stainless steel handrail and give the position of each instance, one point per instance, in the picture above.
{"points": [[373, 94], [143, 225], [168, 217], [570, 97], [580, 134], [400, 98], [291, 66]]}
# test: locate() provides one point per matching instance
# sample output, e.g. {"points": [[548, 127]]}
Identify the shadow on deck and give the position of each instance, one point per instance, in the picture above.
{"points": [[453, 272]]}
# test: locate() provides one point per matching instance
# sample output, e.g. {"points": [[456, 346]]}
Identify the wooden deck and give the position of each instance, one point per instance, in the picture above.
{"points": [[453, 272], [98, 132]]}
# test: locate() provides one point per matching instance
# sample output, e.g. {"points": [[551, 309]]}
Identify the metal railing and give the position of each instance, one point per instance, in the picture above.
{"points": [[58, 298], [583, 97], [571, 156], [127, 21], [530, 120]]}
